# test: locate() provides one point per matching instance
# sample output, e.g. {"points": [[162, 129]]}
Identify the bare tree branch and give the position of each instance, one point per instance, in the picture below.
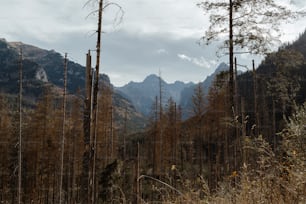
{"points": [[255, 22], [118, 16]]}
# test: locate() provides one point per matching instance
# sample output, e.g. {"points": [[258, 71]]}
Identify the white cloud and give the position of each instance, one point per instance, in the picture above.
{"points": [[184, 57], [200, 62]]}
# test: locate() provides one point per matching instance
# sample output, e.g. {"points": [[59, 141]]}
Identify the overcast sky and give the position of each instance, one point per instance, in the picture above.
{"points": [[153, 35]]}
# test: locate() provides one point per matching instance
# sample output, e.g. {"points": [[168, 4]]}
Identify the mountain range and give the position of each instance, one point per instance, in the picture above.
{"points": [[144, 94]]}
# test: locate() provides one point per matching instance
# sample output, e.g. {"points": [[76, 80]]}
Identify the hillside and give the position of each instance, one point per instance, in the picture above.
{"points": [[187, 93], [44, 68]]}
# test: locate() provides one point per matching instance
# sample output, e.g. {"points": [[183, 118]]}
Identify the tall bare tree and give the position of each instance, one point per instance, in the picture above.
{"points": [[63, 131], [20, 131], [90, 152]]}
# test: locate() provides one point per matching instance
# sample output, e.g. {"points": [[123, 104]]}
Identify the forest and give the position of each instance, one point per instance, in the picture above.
{"points": [[245, 142]]}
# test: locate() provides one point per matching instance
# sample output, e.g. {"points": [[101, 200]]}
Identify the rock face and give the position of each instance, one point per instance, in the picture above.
{"points": [[41, 75], [34, 75]]}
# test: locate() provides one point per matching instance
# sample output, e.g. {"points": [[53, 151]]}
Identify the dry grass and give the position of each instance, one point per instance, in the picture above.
{"points": [[269, 179]]}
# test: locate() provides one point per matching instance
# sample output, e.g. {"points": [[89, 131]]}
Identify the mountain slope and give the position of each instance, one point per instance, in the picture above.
{"points": [[280, 88], [53, 63], [34, 75], [187, 93], [43, 68]]}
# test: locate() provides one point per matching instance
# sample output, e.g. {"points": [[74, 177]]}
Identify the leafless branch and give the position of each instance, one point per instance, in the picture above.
{"points": [[118, 16]]}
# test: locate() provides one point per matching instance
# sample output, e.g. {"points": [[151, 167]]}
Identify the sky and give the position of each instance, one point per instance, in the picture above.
{"points": [[153, 37]]}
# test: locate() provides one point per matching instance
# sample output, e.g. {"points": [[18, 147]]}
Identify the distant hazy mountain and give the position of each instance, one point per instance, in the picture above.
{"points": [[143, 94], [186, 94]]}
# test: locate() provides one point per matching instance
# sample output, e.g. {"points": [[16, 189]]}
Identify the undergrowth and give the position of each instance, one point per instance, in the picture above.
{"points": [[268, 176]]}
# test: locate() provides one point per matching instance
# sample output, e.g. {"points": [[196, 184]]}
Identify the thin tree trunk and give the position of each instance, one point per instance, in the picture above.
{"points": [[87, 129], [231, 54], [63, 132], [125, 134], [93, 187], [235, 118], [138, 196], [95, 100], [20, 130], [244, 154], [255, 100], [155, 163], [273, 124], [160, 124], [73, 182], [111, 132]]}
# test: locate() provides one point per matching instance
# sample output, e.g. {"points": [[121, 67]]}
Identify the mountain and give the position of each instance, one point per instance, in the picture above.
{"points": [[34, 75], [187, 93], [143, 94], [42, 68], [53, 63]]}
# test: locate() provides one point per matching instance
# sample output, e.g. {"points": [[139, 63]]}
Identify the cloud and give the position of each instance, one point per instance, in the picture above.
{"points": [[148, 39], [184, 57], [172, 18], [44, 20], [134, 57], [200, 62]]}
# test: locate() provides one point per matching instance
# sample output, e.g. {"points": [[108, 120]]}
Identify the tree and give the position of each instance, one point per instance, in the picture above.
{"points": [[252, 26], [198, 101], [89, 153], [75, 148], [282, 86], [44, 153], [221, 148], [20, 131], [170, 135], [63, 131]]}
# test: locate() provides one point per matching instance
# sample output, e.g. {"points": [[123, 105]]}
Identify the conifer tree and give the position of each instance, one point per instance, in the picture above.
{"points": [[252, 26]]}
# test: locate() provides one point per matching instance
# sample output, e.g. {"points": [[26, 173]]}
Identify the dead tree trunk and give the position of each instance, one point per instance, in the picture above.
{"points": [[63, 132], [87, 128], [94, 105], [20, 130]]}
